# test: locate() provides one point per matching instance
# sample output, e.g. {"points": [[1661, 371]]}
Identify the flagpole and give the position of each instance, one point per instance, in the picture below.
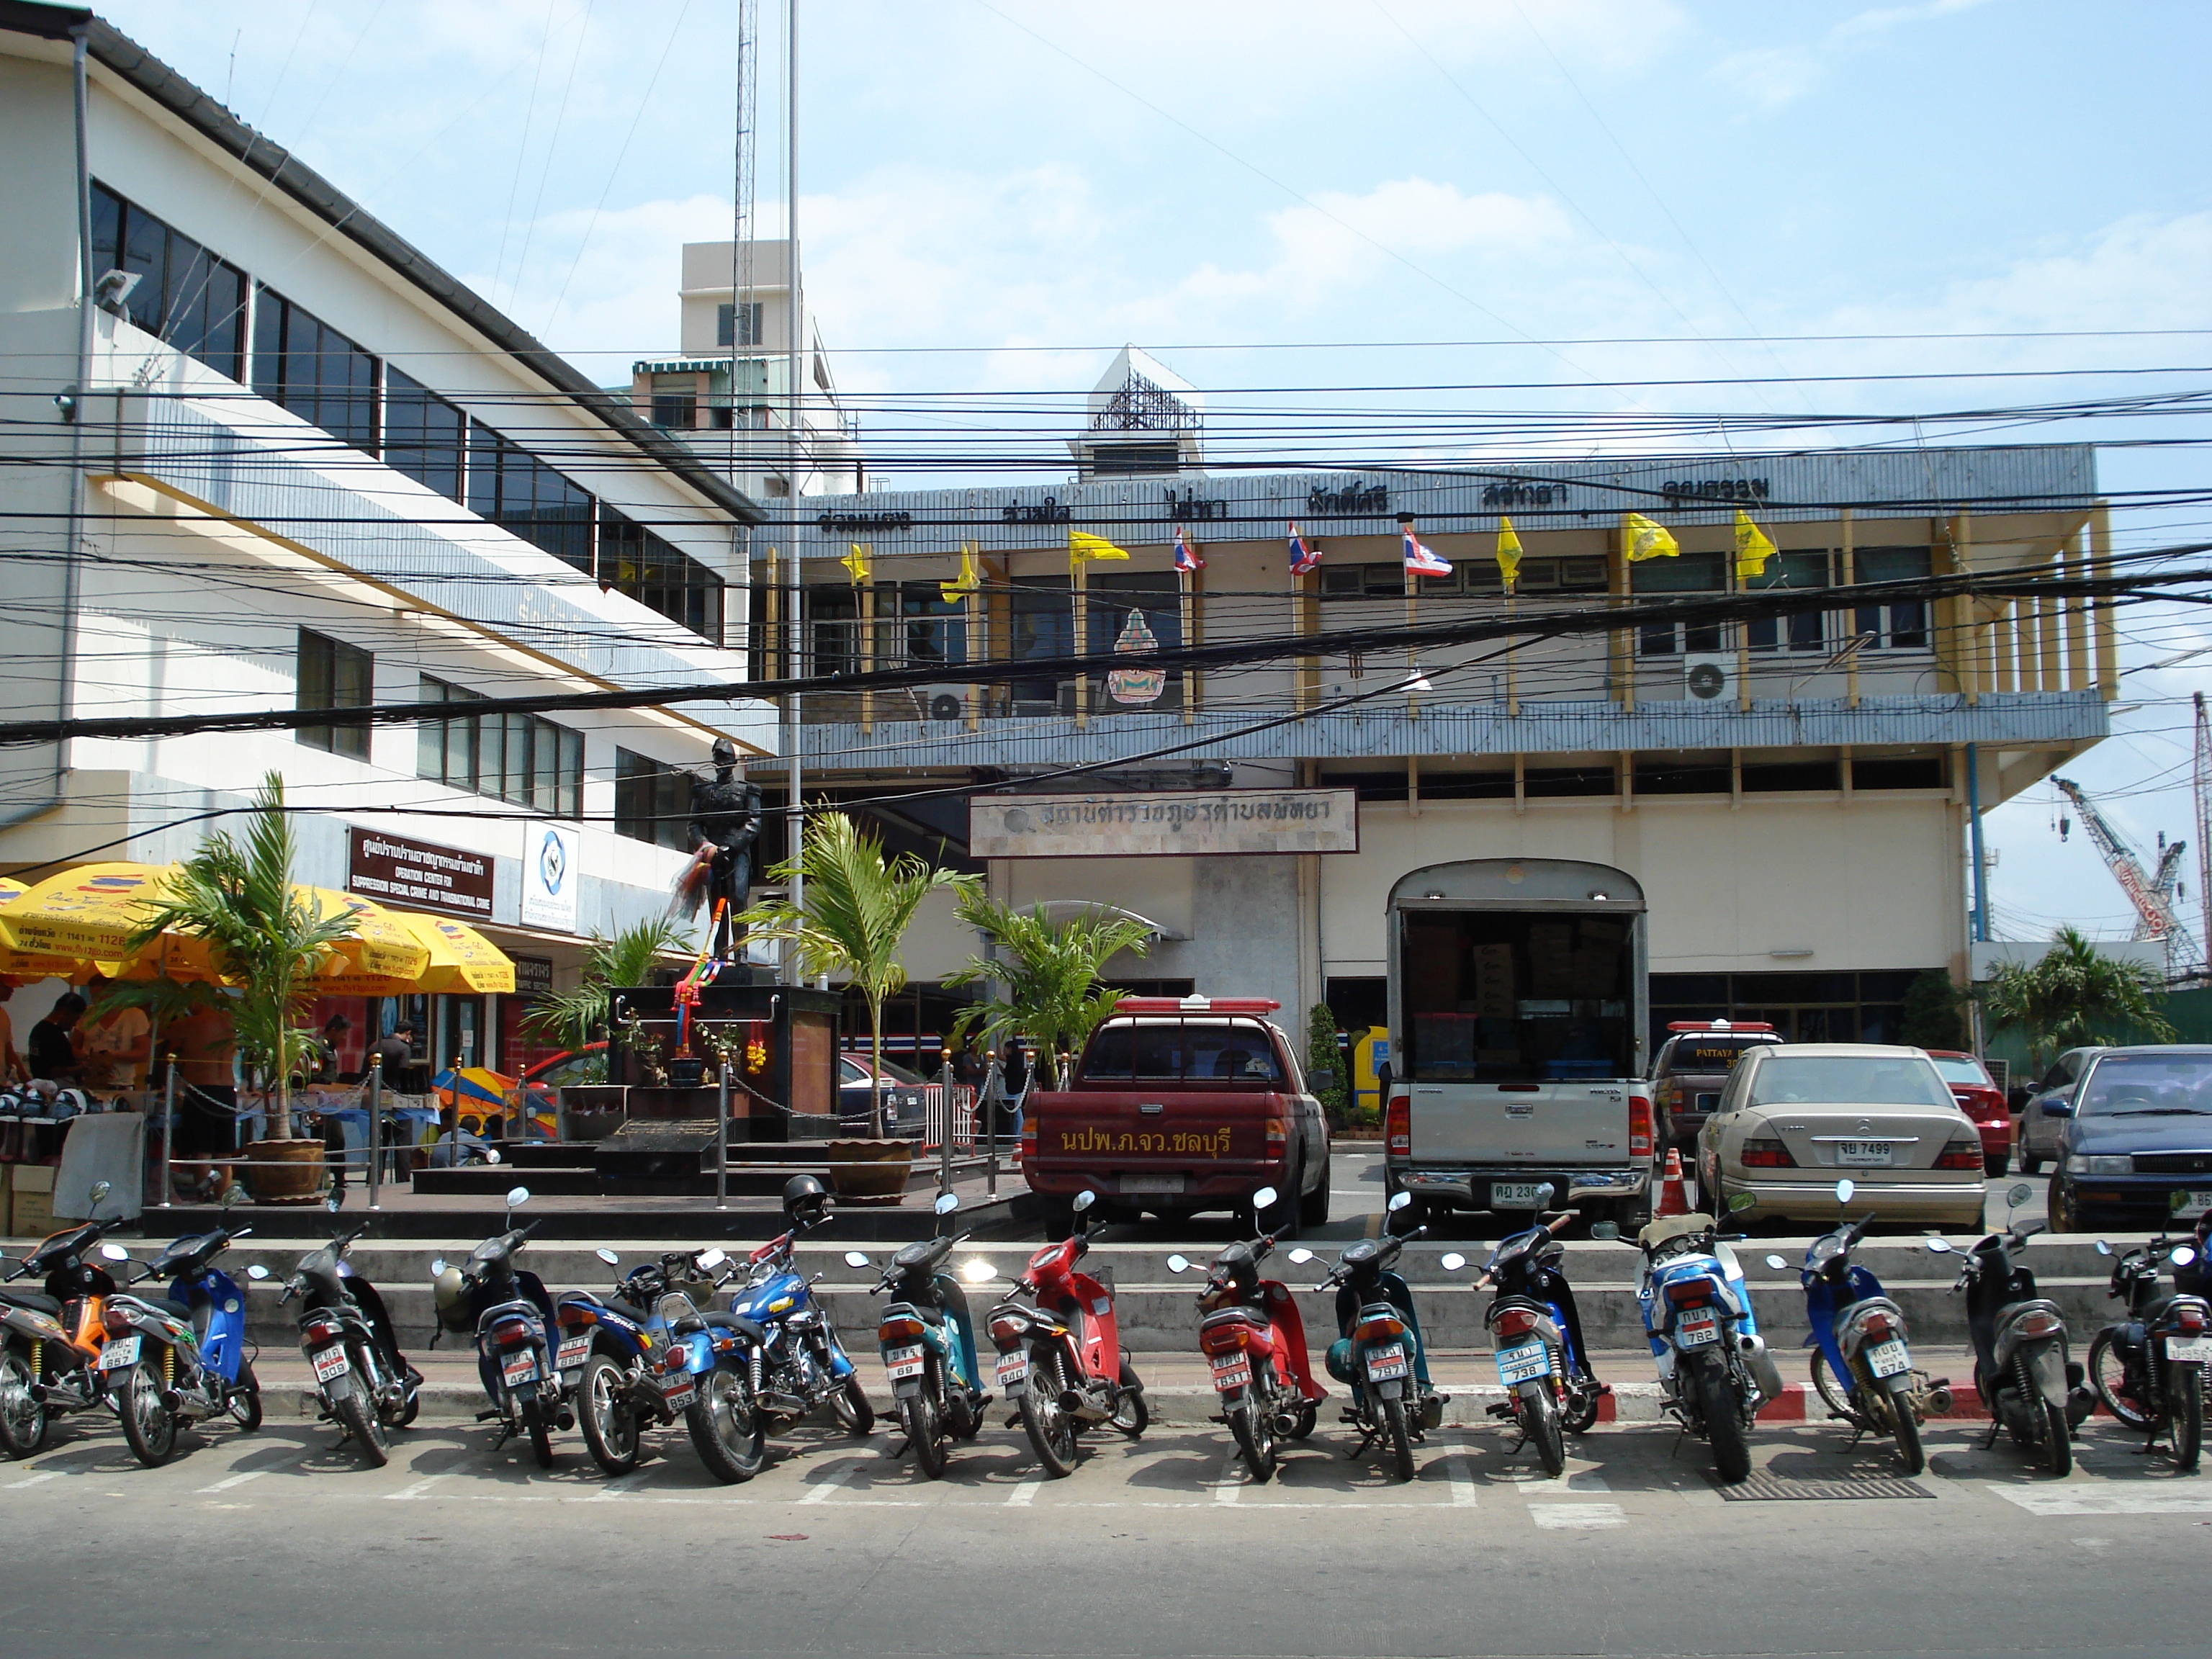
{"points": [[1413, 609], [1184, 578], [868, 609], [971, 601], [1080, 583]]}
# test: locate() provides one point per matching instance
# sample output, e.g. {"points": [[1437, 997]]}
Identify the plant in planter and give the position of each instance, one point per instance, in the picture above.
{"points": [[1048, 972], [579, 1017], [267, 937]]}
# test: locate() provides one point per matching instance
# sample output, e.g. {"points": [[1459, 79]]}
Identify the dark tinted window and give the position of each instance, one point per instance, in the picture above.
{"points": [[512, 758], [527, 497], [1169, 1050], [185, 295], [423, 434], [660, 575], [2149, 1084], [1716, 1052], [652, 801], [334, 675], [314, 371]]}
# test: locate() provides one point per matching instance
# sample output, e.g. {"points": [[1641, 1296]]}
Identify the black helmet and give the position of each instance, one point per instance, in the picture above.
{"points": [[806, 1200]]}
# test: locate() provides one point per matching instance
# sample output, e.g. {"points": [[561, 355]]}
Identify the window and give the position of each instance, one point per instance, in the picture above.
{"points": [[186, 295], [525, 498], [1807, 630], [737, 324], [1901, 625], [334, 675], [1508, 997], [314, 371], [511, 757], [1183, 1051], [1898, 772], [1785, 1079], [660, 575], [1043, 626], [678, 409], [1686, 573], [652, 801], [423, 433]]}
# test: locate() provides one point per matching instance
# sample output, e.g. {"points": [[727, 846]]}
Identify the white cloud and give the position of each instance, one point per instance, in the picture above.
{"points": [[1772, 77]]}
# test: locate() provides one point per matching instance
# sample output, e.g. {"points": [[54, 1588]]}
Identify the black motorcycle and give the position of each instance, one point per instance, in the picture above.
{"points": [[51, 1338], [514, 1322], [2149, 1368], [1536, 1330], [2022, 1370], [366, 1386]]}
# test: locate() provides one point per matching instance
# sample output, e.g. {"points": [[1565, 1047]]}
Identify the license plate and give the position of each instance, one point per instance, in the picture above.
{"points": [[520, 1366], [1013, 1367], [1232, 1370], [1383, 1363], [575, 1350], [1524, 1362], [2188, 1347], [1144, 1183], [119, 1354], [678, 1392], [1868, 1153], [329, 1364], [2190, 1205], [1888, 1358], [1516, 1195], [1697, 1325], [902, 1362]]}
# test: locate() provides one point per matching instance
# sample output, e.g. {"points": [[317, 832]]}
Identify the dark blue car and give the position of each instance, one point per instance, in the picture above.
{"points": [[2135, 1151]]}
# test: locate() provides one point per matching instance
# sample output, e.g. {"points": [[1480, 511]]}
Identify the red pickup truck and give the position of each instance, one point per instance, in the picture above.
{"points": [[1179, 1105]]}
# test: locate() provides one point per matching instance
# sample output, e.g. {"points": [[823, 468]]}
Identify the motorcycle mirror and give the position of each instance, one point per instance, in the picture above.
{"points": [[491, 1154], [232, 1195], [332, 1202], [1399, 1201], [946, 1203], [2018, 1194], [1939, 1247], [1084, 1200], [1743, 1201], [713, 1258], [1545, 1195], [1452, 1262], [1265, 1198], [1844, 1188], [257, 1271], [2102, 1249], [608, 1256], [979, 1271], [1606, 1231], [114, 1253], [1178, 1264], [437, 1267], [1302, 1256], [99, 1190], [1776, 1263], [2183, 1257], [855, 1259], [517, 1197]]}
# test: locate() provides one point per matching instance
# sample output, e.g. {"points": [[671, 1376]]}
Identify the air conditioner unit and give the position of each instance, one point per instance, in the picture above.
{"points": [[930, 702], [1709, 678]]}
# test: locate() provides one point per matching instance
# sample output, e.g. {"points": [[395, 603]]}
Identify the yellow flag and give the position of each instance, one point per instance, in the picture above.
{"points": [[1509, 554], [856, 562], [1752, 549], [1081, 547], [967, 581], [1648, 540]]}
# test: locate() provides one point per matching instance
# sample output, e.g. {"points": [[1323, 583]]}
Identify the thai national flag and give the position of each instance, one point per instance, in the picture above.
{"points": [[1421, 560], [1185, 559], [1303, 556]]}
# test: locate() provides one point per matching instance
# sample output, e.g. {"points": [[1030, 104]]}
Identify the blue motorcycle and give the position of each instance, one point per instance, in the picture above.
{"points": [[929, 1342], [181, 1358], [1862, 1363], [804, 1365], [1714, 1369], [623, 1363], [709, 1368], [1535, 1330]]}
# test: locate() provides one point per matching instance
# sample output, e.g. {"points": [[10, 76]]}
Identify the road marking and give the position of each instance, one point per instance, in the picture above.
{"points": [[1556, 1517], [1023, 1494], [415, 1490], [1576, 1480], [622, 1483], [1458, 1469], [235, 1480], [1701, 1498], [2038, 1500], [826, 1488], [49, 1475], [1229, 1487]]}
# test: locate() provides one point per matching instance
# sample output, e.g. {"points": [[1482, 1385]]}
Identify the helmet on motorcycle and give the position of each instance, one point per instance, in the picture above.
{"points": [[451, 1292], [806, 1200]]}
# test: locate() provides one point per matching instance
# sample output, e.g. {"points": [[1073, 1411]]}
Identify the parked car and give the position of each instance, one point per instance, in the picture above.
{"points": [[2040, 1131], [1980, 1099], [2135, 1150], [902, 1098], [1692, 1068], [1794, 1117]]}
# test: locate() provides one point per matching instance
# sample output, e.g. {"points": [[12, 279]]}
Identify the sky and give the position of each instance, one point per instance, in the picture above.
{"points": [[994, 196]]}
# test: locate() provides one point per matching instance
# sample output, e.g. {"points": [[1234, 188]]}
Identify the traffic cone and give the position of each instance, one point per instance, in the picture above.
{"points": [[1672, 1199]]}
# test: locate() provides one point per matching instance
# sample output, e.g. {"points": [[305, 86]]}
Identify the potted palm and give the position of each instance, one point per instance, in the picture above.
{"points": [[267, 938], [850, 924], [1046, 975], [577, 1019]]}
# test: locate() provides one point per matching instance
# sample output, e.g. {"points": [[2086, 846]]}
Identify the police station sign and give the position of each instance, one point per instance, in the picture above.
{"points": [[1178, 822]]}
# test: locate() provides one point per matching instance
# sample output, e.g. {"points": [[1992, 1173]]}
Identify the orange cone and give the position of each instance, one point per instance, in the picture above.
{"points": [[1672, 1199]]}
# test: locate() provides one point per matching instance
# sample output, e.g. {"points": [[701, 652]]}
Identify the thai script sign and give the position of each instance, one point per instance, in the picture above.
{"points": [[417, 875], [1194, 822], [1203, 1143]]}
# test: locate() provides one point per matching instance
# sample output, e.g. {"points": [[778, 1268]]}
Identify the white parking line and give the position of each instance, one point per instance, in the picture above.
{"points": [[1230, 1486], [1554, 1517], [1458, 1470], [415, 1490], [623, 1483], [1023, 1494], [32, 1480], [235, 1480], [2058, 1500], [826, 1488]]}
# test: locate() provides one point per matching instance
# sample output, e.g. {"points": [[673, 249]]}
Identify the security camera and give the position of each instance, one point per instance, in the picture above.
{"points": [[113, 287]]}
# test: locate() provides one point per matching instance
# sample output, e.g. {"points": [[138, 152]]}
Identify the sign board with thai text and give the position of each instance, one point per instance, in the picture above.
{"points": [[419, 875], [552, 859], [1184, 822]]}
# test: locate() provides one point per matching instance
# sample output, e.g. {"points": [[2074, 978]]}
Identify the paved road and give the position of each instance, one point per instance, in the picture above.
{"points": [[273, 1544]]}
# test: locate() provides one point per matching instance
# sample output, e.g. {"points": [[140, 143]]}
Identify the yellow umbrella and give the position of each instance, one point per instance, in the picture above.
{"points": [[461, 958], [380, 945], [9, 888], [88, 912]]}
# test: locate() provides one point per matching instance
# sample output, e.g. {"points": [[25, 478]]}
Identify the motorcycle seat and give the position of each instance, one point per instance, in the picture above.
{"points": [[36, 1301], [1232, 1316]]}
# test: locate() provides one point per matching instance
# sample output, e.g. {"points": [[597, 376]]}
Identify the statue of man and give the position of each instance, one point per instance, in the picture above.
{"points": [[724, 822]]}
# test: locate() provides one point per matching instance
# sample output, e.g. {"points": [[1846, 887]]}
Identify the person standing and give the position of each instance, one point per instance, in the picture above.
{"points": [[114, 1041], [396, 1053], [52, 1052], [205, 1046]]}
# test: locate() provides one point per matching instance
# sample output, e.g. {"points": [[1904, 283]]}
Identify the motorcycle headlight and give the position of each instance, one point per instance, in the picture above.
{"points": [[2100, 1164]]}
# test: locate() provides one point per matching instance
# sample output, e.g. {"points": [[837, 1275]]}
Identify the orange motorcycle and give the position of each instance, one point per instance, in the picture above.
{"points": [[51, 1338]]}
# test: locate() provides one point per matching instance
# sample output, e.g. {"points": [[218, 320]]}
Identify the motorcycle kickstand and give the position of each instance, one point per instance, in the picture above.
{"points": [[1360, 1450], [1996, 1424]]}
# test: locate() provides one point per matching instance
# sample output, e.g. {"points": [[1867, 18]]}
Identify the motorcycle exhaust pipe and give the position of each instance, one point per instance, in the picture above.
{"points": [[1284, 1424], [1763, 1369]]}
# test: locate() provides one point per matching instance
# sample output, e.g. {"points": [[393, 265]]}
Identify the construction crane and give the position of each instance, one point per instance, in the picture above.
{"points": [[2151, 899]]}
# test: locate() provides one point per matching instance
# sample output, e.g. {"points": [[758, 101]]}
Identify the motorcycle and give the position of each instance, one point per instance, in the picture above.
{"points": [[513, 1319], [1714, 1369], [1536, 1331], [2149, 1367], [1255, 1343], [703, 1363], [1862, 1358], [1061, 1362], [181, 1358], [366, 1386], [928, 1344], [1378, 1350], [51, 1338], [803, 1364], [2021, 1369]]}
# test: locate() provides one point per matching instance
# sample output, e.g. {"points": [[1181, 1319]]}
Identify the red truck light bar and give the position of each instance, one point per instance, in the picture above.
{"points": [[1717, 1025], [1196, 1006]]}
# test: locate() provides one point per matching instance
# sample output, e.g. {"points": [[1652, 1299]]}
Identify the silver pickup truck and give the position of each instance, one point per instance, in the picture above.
{"points": [[1519, 1009]]}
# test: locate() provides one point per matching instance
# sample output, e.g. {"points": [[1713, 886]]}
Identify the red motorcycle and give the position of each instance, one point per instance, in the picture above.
{"points": [[1061, 1362], [1254, 1341]]}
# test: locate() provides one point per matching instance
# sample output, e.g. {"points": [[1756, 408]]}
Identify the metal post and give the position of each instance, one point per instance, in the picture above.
{"points": [[945, 1150], [168, 1125], [1980, 931], [376, 1093], [987, 1099], [722, 1134]]}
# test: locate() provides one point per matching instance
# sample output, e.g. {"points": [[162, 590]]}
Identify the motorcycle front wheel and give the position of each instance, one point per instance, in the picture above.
{"points": [[2184, 1387], [1540, 1416], [1400, 1438], [2108, 1375], [1255, 1437], [603, 1412], [918, 1417], [148, 1424], [22, 1418], [357, 1415], [850, 1402], [1051, 1430], [726, 1428], [1717, 1406]]}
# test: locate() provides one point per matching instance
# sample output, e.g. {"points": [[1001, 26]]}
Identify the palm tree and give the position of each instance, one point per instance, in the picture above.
{"points": [[2075, 997], [857, 909], [1049, 972], [266, 936], [578, 1018]]}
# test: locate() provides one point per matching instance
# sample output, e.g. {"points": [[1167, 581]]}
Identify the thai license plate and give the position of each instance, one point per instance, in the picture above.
{"points": [[2188, 1347], [119, 1354], [1868, 1153], [902, 1362], [330, 1364], [1695, 1326], [1516, 1195], [1383, 1363], [520, 1366], [1232, 1370], [2190, 1204], [1014, 1369], [573, 1352], [1888, 1358], [1523, 1363], [1144, 1183], [678, 1392]]}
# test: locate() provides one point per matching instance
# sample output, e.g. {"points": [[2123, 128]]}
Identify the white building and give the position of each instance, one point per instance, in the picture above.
{"points": [[287, 462]]}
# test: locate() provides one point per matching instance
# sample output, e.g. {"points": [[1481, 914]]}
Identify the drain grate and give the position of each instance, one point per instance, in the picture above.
{"points": [[1775, 1488]]}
